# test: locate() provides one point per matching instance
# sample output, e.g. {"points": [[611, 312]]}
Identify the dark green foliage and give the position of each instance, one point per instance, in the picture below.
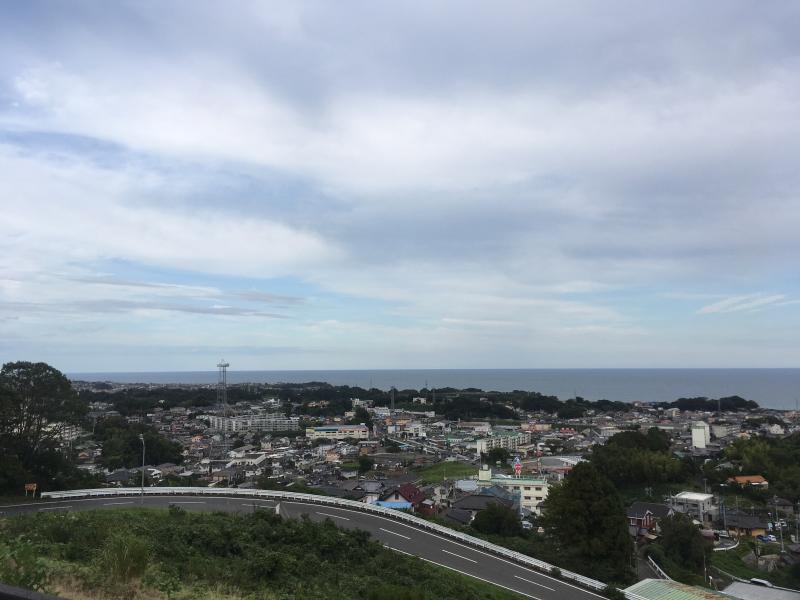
{"points": [[20, 565], [36, 400], [682, 543], [496, 455], [123, 448], [778, 460], [497, 519], [251, 553], [632, 457], [365, 464], [585, 520], [729, 403]]}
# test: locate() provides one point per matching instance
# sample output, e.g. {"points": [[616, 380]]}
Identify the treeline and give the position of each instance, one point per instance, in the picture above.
{"points": [[122, 446], [631, 457], [701, 403], [167, 554], [777, 459]]}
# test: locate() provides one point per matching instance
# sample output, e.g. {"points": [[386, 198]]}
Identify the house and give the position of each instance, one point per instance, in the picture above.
{"points": [[756, 481], [457, 516], [120, 476], [643, 517], [406, 496], [474, 503], [740, 524], [702, 507]]}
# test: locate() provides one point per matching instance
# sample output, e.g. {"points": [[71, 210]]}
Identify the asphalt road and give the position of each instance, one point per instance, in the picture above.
{"points": [[393, 534]]}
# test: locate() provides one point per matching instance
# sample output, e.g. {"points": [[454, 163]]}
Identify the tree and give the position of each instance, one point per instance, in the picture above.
{"points": [[365, 464], [36, 403], [683, 544], [497, 455], [497, 519], [585, 519]]}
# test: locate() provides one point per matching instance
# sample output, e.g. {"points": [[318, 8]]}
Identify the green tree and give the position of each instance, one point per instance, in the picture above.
{"points": [[365, 464], [497, 519], [497, 455], [683, 544], [585, 520], [36, 403]]}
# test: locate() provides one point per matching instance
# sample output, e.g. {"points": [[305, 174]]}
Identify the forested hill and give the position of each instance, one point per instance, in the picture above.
{"points": [[322, 399]]}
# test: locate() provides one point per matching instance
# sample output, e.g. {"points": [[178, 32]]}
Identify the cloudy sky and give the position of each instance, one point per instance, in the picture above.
{"points": [[400, 184]]}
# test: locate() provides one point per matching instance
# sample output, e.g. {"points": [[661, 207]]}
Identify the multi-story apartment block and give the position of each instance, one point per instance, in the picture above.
{"points": [[255, 422], [508, 440]]}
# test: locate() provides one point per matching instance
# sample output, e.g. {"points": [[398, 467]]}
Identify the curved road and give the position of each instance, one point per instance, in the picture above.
{"points": [[392, 534]]}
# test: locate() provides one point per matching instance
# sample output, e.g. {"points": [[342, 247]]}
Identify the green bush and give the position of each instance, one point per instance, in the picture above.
{"points": [[21, 566], [124, 557]]}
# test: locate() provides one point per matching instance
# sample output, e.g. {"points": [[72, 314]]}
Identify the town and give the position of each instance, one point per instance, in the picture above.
{"points": [[449, 455]]}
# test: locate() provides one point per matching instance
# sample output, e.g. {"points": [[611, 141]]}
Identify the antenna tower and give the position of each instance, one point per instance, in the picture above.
{"points": [[222, 399]]}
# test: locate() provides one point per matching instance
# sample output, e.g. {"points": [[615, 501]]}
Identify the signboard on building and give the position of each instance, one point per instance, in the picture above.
{"points": [[517, 466]]}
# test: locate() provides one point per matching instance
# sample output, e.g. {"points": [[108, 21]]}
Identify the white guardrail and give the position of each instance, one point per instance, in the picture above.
{"points": [[390, 513], [661, 573]]}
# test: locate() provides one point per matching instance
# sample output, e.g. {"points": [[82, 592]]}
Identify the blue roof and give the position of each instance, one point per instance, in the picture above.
{"points": [[397, 505]]}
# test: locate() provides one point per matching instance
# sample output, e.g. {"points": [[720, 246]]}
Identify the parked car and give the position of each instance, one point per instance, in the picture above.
{"points": [[764, 582], [772, 538]]}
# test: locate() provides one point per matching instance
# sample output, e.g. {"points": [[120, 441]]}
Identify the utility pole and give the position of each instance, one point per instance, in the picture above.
{"points": [[777, 522], [141, 494]]}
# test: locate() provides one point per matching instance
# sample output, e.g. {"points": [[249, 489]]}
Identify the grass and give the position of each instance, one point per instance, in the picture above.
{"points": [[451, 470], [145, 554], [731, 562]]}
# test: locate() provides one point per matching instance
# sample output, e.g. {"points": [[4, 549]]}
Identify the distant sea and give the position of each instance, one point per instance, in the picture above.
{"points": [[771, 388]]}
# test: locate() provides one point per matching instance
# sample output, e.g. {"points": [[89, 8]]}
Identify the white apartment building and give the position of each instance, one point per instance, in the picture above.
{"points": [[508, 440], [532, 491], [701, 434], [254, 422], [338, 432]]}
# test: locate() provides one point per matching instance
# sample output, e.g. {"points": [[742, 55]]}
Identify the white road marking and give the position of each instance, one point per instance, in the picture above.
{"points": [[56, 508], [481, 578], [186, 502], [519, 566], [394, 533], [398, 550], [459, 556], [116, 503], [334, 516], [254, 504], [534, 583]]}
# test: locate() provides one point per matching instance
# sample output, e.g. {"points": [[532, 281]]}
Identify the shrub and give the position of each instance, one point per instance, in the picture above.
{"points": [[124, 557]]}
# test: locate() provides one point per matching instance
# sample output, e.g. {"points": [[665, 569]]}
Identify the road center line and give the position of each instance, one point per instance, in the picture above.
{"points": [[334, 516], [394, 533], [186, 502], [459, 556], [116, 503], [254, 504], [534, 583], [481, 578], [56, 508]]}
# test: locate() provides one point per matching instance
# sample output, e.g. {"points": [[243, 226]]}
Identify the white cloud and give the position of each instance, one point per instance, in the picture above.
{"points": [[742, 303]]}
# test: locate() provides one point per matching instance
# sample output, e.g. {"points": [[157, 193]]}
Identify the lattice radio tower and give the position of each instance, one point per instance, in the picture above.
{"points": [[222, 399]]}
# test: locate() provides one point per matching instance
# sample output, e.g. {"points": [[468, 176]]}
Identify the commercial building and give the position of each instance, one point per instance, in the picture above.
{"points": [[508, 440], [532, 491], [338, 432], [255, 422]]}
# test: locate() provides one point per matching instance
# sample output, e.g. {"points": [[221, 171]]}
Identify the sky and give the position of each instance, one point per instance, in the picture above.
{"points": [[345, 185]]}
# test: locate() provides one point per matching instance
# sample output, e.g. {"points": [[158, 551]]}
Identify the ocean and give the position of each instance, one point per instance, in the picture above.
{"points": [[771, 388]]}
